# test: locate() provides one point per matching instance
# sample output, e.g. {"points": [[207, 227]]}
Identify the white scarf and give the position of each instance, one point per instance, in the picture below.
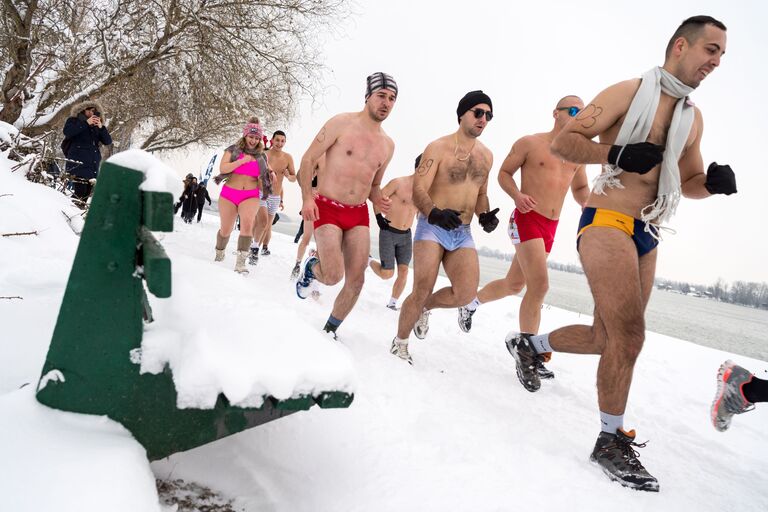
{"points": [[637, 126]]}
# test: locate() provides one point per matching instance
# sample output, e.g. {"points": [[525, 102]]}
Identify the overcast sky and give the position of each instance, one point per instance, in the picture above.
{"points": [[527, 56]]}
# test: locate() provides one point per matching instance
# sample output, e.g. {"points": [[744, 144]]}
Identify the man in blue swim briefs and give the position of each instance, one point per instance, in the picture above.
{"points": [[449, 188], [650, 135]]}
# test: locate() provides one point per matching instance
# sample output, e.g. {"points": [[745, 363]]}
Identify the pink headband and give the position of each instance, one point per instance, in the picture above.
{"points": [[253, 129]]}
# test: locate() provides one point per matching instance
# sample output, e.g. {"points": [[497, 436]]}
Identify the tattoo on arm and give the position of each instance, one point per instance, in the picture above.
{"points": [[321, 135], [425, 167], [588, 116]]}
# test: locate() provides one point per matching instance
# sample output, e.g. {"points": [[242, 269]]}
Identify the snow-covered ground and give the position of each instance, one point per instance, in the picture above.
{"points": [[454, 432]]}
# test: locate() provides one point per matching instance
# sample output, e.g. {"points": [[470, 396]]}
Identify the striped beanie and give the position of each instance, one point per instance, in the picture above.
{"points": [[378, 81]]}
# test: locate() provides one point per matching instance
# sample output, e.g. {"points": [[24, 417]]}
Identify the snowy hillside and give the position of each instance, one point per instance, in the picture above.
{"points": [[454, 432]]}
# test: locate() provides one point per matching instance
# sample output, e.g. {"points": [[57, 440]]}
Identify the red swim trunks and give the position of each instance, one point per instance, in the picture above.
{"points": [[532, 225], [344, 216]]}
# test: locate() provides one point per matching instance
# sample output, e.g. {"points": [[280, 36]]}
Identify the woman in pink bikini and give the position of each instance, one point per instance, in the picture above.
{"points": [[242, 165]]}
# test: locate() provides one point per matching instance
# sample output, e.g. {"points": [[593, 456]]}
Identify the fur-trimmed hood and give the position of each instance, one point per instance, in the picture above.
{"points": [[79, 107]]}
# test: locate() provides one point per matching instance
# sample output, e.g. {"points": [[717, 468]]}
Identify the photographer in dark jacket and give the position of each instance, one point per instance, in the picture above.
{"points": [[84, 130]]}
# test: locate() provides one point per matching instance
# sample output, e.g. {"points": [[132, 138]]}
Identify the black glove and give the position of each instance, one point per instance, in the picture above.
{"points": [[447, 219], [640, 157], [720, 179], [382, 222], [488, 220]]}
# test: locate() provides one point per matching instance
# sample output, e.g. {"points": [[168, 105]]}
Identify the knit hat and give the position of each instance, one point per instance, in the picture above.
{"points": [[471, 99], [378, 81], [253, 129]]}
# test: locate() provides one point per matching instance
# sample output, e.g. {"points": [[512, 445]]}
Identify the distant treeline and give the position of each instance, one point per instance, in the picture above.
{"points": [[744, 293]]}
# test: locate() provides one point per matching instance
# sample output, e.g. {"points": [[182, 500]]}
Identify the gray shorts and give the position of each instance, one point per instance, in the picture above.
{"points": [[271, 203], [395, 246]]}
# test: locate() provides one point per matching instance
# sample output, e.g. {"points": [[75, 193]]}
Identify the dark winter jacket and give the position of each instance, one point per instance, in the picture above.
{"points": [[202, 195], [188, 199], [84, 142]]}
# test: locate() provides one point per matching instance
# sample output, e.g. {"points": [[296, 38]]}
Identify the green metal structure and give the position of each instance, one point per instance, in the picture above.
{"points": [[101, 322]]}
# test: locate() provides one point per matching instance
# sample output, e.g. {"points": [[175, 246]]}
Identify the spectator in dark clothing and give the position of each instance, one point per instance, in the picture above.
{"points": [[188, 201], [202, 196], [84, 131]]}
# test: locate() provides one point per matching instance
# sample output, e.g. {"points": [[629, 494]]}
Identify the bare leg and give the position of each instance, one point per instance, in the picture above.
{"points": [[266, 234], [356, 245], [426, 264], [309, 230], [512, 284], [227, 216], [330, 269], [260, 224], [247, 210], [384, 273], [463, 270], [532, 258], [610, 257], [402, 278]]}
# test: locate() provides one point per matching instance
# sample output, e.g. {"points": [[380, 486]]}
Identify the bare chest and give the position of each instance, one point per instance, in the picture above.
{"points": [[474, 170], [367, 153]]}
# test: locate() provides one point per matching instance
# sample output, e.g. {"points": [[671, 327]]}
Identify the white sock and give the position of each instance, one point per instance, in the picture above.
{"points": [[474, 304], [610, 423], [392, 302], [541, 343], [254, 245]]}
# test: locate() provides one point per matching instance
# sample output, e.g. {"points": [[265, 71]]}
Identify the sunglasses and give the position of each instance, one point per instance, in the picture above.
{"points": [[479, 113], [572, 111]]}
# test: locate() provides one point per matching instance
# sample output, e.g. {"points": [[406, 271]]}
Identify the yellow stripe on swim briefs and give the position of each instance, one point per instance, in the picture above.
{"points": [[611, 219]]}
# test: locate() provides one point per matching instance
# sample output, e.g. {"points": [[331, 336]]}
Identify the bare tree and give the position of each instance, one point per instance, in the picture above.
{"points": [[170, 72]]}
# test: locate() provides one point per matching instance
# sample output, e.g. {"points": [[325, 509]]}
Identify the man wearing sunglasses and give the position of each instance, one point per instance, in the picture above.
{"points": [[649, 144], [545, 179], [449, 188]]}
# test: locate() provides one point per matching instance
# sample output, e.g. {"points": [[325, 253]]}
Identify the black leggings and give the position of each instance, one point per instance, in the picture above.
{"points": [[756, 390]]}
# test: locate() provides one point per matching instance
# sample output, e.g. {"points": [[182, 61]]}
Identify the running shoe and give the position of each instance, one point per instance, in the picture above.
{"points": [[526, 358], [421, 327], [307, 277], [465, 318], [617, 457], [543, 371], [253, 256], [729, 399], [265, 251], [400, 349]]}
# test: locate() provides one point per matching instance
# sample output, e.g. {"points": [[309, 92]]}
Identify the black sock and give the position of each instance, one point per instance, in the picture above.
{"points": [[756, 390], [332, 324]]}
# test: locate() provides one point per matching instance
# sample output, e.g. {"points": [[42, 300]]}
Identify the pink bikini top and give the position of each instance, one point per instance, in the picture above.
{"points": [[249, 168]]}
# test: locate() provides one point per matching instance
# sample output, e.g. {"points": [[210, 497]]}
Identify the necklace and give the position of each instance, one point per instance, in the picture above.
{"points": [[456, 149]]}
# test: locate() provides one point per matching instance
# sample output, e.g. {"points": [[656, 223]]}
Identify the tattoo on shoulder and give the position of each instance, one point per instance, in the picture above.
{"points": [[321, 136], [588, 116], [425, 167]]}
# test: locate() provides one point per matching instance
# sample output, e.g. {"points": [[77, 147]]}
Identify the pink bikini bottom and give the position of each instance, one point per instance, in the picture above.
{"points": [[238, 196]]}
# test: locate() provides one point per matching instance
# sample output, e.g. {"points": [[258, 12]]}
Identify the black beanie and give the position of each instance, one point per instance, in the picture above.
{"points": [[471, 99]]}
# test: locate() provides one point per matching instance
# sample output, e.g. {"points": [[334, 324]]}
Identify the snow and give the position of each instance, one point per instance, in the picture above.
{"points": [[456, 431], [7, 132], [158, 176], [54, 460]]}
